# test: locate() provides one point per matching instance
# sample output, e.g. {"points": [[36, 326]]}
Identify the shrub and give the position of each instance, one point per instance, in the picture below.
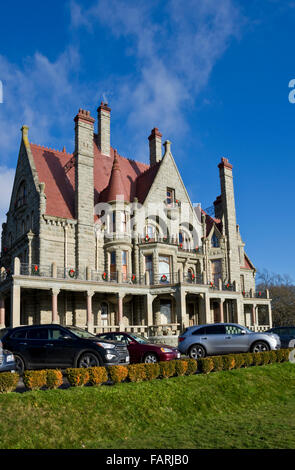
{"points": [[217, 363], [167, 369], [152, 371], [239, 361], [53, 378], [77, 377], [8, 381], [180, 367], [248, 359], [265, 357], [272, 357], [97, 375], [228, 362], [257, 359], [282, 355], [205, 365], [117, 373], [34, 379], [192, 366], [136, 372]]}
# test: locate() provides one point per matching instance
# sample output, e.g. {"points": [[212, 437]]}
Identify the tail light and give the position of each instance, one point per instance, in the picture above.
{"points": [[180, 338]]}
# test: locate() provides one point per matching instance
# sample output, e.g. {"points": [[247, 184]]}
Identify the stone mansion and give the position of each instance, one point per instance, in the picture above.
{"points": [[104, 242]]}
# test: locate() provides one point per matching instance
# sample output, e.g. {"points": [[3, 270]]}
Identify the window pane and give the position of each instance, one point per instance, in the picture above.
{"points": [[19, 334], [233, 330], [124, 257], [56, 333], [200, 331], [38, 333], [215, 330]]}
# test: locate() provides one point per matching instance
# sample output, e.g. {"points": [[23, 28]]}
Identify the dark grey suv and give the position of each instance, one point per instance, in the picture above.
{"points": [[224, 338], [56, 346], [7, 360]]}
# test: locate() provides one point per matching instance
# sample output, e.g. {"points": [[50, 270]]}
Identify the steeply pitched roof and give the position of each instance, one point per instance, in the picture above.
{"points": [[210, 221], [60, 182]]}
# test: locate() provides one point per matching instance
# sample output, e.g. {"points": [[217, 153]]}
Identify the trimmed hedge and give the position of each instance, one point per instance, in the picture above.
{"points": [[34, 379], [97, 375], [77, 377], [117, 373], [8, 382]]}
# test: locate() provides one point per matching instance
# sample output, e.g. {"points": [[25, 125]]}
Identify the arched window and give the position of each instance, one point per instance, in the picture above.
{"points": [[21, 195], [214, 241]]}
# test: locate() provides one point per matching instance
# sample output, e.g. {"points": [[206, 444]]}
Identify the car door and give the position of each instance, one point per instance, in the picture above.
{"points": [[36, 346], [62, 347], [236, 339], [214, 340]]}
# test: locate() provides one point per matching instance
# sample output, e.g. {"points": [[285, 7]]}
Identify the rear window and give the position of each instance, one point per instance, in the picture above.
{"points": [[215, 330], [38, 333], [19, 334], [200, 331]]}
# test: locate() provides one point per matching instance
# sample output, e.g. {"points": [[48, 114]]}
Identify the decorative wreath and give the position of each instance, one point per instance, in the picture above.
{"points": [[243, 292], [164, 278], [147, 238], [211, 284], [197, 248], [180, 244], [227, 285], [72, 273], [259, 294], [133, 278], [35, 269], [104, 276], [192, 276]]}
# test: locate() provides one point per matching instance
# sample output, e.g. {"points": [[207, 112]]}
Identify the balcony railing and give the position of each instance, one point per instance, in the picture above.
{"points": [[255, 295], [193, 278]]}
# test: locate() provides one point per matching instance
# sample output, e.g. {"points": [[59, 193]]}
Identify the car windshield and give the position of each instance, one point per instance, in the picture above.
{"points": [[80, 332], [139, 339]]}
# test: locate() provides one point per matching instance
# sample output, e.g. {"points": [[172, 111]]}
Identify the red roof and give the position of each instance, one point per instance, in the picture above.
{"points": [[60, 184]]}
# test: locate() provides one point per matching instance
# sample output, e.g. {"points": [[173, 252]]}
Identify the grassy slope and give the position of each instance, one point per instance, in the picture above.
{"points": [[247, 408]]}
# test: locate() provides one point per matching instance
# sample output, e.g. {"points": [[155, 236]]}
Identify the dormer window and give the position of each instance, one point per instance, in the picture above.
{"points": [[170, 196], [214, 241]]}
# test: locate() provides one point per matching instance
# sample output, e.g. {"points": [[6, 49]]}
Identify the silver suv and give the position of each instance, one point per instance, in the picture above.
{"points": [[224, 338]]}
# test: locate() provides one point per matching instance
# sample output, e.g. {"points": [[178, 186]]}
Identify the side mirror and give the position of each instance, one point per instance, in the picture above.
{"points": [[243, 332]]}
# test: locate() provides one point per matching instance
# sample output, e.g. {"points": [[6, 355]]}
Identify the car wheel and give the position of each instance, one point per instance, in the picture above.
{"points": [[150, 358], [259, 346], [196, 351], [88, 360], [19, 365]]}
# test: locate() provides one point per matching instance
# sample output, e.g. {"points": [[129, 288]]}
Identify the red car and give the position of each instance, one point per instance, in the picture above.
{"points": [[140, 350]]}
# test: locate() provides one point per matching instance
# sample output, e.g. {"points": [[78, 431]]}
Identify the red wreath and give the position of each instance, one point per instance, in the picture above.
{"points": [[211, 284], [104, 276], [133, 278], [227, 285], [193, 276], [71, 272], [259, 293], [243, 292], [180, 244], [147, 238], [164, 278]]}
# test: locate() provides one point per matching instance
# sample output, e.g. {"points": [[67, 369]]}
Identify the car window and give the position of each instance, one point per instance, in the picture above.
{"points": [[121, 338], [19, 334], [215, 330], [56, 333], [233, 330], [106, 336], [199, 331], [38, 333]]}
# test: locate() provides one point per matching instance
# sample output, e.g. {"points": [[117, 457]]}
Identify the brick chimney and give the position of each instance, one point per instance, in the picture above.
{"points": [[104, 128], [155, 140]]}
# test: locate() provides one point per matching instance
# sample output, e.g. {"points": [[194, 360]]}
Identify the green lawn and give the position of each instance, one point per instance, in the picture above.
{"points": [[247, 408]]}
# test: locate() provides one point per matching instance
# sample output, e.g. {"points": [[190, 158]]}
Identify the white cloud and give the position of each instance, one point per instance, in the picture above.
{"points": [[6, 182], [174, 51]]}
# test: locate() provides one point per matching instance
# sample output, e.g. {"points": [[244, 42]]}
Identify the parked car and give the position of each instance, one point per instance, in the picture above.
{"points": [[56, 346], [224, 338], [7, 360], [286, 334], [141, 350]]}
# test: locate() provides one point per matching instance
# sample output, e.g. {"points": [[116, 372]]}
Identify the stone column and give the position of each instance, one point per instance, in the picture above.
{"points": [[2, 312], [270, 315], [254, 315], [54, 293], [181, 315], [15, 306], [149, 309], [221, 311], [208, 315], [89, 311], [120, 309]]}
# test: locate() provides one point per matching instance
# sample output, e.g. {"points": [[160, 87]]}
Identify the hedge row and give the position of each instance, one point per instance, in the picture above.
{"points": [[51, 379]]}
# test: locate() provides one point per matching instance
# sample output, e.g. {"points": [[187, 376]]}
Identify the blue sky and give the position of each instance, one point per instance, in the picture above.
{"points": [[212, 75]]}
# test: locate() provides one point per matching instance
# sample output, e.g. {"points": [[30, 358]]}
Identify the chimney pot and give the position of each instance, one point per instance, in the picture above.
{"points": [[155, 143]]}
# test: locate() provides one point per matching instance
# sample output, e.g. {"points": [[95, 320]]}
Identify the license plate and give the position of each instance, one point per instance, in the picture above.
{"points": [[178, 355]]}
